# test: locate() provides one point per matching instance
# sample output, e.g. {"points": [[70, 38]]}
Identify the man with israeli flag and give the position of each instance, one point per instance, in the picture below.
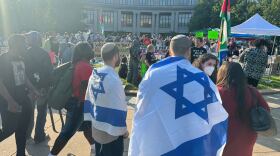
{"points": [[105, 105], [179, 110]]}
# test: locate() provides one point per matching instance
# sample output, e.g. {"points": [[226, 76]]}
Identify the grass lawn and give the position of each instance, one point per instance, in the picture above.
{"points": [[265, 83]]}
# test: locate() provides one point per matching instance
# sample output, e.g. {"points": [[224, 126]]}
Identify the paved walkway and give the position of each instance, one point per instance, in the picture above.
{"points": [[78, 146]]}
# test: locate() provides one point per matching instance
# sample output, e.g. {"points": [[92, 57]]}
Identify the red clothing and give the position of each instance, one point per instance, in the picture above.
{"points": [[82, 73], [147, 41], [52, 57], [241, 138]]}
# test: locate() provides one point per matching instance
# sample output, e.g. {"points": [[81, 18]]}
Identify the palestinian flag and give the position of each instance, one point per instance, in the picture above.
{"points": [[224, 31]]}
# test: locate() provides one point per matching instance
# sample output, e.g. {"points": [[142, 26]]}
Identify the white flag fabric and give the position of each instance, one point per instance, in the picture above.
{"points": [[179, 113], [105, 103]]}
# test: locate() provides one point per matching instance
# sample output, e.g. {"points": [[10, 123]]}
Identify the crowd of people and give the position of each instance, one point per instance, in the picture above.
{"points": [[97, 105]]}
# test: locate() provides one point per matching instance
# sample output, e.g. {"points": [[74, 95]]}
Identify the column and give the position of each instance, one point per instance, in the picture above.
{"points": [[153, 22], [176, 22], [157, 23], [173, 23], [138, 23], [134, 20], [117, 21], [95, 21]]}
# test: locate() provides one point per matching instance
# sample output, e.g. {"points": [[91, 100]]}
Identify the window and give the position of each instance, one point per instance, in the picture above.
{"points": [[127, 19], [126, 2], [187, 2], [165, 20], [89, 17], [146, 2], [108, 1], [184, 19], [146, 20], [108, 17], [166, 2]]}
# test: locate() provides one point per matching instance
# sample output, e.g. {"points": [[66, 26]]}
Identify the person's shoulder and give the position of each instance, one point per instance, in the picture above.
{"points": [[82, 65]]}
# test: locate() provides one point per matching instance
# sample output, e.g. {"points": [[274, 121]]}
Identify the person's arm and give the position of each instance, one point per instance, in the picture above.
{"points": [[30, 86], [12, 104]]}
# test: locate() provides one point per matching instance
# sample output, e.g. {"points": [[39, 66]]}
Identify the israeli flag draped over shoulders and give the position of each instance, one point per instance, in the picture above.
{"points": [[105, 104], [179, 113]]}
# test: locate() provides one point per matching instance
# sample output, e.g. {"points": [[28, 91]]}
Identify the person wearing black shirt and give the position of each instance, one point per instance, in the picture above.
{"points": [[38, 70], [15, 90], [198, 50]]}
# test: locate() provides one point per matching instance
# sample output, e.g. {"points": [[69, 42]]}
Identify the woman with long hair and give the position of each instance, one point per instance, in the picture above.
{"points": [[238, 100], [208, 63], [74, 117]]}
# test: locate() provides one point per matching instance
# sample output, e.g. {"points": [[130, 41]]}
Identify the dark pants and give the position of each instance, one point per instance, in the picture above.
{"points": [[40, 123], [133, 71], [16, 123], [74, 120], [114, 148], [253, 82]]}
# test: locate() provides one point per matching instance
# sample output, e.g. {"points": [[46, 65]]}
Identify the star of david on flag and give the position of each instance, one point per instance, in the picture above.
{"points": [[97, 87], [183, 105]]}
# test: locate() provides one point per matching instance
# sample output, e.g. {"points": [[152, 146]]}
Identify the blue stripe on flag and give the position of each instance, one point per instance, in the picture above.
{"points": [[113, 117], [207, 145], [167, 61]]}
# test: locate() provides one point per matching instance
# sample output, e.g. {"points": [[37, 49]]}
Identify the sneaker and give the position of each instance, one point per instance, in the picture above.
{"points": [[47, 138]]}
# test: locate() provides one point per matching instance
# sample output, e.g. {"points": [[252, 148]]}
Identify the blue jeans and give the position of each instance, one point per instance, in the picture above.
{"points": [[40, 123], [74, 120]]}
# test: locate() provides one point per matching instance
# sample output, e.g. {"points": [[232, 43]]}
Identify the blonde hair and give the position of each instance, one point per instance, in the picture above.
{"points": [[150, 48]]}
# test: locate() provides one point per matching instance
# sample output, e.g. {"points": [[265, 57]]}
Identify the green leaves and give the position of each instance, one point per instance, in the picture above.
{"points": [[206, 13], [42, 15]]}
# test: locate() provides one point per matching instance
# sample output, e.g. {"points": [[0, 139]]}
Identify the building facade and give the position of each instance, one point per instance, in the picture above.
{"points": [[139, 16]]}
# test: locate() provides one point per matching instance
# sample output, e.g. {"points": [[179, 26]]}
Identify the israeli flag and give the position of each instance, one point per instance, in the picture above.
{"points": [[179, 113], [105, 103]]}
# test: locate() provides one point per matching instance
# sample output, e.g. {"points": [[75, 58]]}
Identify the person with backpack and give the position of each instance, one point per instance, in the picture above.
{"points": [[38, 70], [15, 88], [74, 106], [239, 99]]}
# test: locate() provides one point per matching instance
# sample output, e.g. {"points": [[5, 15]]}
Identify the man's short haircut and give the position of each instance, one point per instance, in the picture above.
{"points": [[108, 51], [180, 44]]}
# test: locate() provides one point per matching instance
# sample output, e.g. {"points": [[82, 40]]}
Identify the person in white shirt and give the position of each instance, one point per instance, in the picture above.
{"points": [[105, 105]]}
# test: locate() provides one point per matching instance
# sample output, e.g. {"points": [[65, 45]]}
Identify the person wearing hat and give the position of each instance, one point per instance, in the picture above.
{"points": [[38, 70], [105, 105]]}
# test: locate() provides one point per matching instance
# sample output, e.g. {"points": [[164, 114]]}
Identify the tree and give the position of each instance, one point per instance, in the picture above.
{"points": [[206, 13], [272, 12], [200, 18], [50, 15]]}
